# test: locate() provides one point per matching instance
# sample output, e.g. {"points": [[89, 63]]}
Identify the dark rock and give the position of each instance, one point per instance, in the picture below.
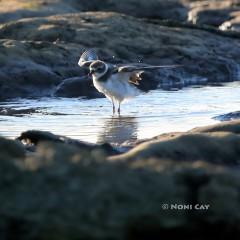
{"points": [[153, 9], [230, 71], [228, 116], [76, 87], [6, 111], [27, 71], [11, 149], [34, 137]]}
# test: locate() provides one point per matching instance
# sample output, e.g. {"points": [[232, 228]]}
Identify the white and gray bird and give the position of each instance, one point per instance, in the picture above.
{"points": [[117, 82]]}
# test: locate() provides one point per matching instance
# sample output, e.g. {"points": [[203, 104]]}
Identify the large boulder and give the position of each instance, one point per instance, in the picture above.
{"points": [[34, 68]]}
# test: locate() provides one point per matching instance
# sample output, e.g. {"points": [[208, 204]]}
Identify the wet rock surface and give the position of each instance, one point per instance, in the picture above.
{"points": [[63, 191], [7, 111], [21, 112], [228, 116]]}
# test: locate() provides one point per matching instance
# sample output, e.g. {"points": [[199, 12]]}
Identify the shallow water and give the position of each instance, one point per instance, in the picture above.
{"points": [[143, 117]]}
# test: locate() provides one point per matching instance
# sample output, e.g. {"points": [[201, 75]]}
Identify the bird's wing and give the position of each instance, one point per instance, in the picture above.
{"points": [[134, 71], [87, 58], [132, 68]]}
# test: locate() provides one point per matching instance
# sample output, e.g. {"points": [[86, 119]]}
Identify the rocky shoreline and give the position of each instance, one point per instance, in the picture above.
{"points": [[58, 188]]}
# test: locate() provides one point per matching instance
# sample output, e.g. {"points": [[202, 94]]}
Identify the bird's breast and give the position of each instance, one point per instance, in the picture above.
{"points": [[115, 88], [98, 85]]}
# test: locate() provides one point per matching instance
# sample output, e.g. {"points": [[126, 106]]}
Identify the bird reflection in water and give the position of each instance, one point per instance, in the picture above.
{"points": [[117, 130]]}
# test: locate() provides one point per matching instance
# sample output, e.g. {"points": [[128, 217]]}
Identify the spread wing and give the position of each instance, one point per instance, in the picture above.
{"points": [[136, 71], [132, 68], [87, 58]]}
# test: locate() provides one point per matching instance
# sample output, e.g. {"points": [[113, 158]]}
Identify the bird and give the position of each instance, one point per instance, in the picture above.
{"points": [[118, 82]]}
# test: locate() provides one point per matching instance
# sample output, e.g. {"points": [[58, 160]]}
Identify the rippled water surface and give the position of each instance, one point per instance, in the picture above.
{"points": [[143, 117]]}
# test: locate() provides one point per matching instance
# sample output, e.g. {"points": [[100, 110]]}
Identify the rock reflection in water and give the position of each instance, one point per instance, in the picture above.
{"points": [[118, 130]]}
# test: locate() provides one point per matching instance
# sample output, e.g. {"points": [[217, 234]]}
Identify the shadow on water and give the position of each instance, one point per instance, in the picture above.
{"points": [[118, 130]]}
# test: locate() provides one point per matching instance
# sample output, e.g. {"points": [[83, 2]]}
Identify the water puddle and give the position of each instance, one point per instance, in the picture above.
{"points": [[143, 117]]}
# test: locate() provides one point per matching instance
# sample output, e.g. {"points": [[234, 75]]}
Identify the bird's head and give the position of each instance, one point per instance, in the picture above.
{"points": [[98, 68]]}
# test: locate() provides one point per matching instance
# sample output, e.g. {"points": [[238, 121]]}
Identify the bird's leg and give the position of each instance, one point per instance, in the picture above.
{"points": [[119, 110], [113, 106]]}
